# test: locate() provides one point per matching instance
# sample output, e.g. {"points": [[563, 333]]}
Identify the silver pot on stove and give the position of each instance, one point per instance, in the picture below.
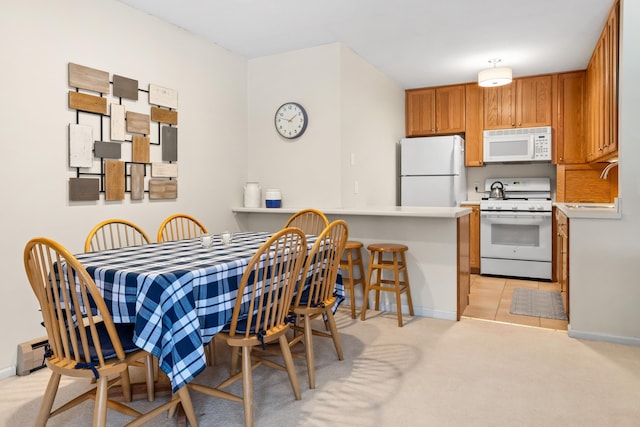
{"points": [[497, 191]]}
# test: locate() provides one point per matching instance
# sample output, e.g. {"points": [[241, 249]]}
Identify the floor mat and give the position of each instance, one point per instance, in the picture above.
{"points": [[537, 303]]}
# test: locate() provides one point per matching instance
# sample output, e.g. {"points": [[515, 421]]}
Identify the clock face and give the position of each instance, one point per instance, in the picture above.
{"points": [[291, 120]]}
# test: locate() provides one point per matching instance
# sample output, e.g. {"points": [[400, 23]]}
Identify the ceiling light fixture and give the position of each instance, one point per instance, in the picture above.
{"points": [[496, 76]]}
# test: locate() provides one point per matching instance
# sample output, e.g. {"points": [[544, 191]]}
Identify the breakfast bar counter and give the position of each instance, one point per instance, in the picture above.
{"points": [[438, 241], [395, 211]]}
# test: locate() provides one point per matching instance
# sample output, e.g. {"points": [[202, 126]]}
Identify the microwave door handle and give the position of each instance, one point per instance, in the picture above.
{"points": [[532, 154]]}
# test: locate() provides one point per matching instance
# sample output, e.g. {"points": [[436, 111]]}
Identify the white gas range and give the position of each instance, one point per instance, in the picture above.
{"points": [[515, 230]]}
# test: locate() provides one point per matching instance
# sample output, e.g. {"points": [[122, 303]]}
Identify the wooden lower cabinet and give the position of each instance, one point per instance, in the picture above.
{"points": [[582, 183], [464, 275], [562, 256], [474, 238]]}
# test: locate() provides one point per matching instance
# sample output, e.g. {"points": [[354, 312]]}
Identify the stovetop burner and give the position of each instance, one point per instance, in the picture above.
{"points": [[520, 195]]}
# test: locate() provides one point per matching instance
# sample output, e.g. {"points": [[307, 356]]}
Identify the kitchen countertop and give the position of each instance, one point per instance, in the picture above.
{"points": [[400, 211], [591, 210], [580, 210]]}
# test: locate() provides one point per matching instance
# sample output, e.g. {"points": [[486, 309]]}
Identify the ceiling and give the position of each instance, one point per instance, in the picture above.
{"points": [[416, 43]]}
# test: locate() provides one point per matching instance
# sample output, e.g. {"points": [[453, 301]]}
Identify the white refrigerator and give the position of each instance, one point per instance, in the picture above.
{"points": [[432, 171]]}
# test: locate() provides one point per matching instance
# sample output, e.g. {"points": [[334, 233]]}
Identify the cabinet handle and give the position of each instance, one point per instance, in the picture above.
{"points": [[519, 124]]}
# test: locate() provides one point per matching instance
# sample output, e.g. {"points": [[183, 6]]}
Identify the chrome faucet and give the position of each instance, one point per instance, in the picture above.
{"points": [[605, 172]]}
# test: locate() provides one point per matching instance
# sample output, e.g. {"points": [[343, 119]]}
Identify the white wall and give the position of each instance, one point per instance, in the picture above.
{"points": [[305, 169], [605, 255], [39, 38], [480, 174], [372, 123], [352, 108]]}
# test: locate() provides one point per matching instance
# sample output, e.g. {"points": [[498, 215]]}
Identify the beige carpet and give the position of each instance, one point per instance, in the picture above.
{"points": [[428, 373]]}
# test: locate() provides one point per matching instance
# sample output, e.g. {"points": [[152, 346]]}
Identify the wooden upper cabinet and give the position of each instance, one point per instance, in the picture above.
{"points": [[435, 111], [526, 102], [499, 107], [420, 112], [569, 122], [474, 95], [450, 109], [533, 101], [602, 92]]}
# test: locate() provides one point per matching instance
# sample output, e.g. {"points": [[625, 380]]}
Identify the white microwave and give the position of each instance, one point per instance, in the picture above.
{"points": [[517, 145]]}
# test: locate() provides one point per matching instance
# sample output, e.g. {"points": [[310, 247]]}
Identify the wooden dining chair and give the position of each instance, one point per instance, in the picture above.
{"points": [[180, 226], [113, 234], [120, 233], [315, 293], [84, 342], [260, 314], [310, 221]]}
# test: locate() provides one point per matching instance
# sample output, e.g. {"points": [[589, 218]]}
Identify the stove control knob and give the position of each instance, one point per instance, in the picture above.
{"points": [[514, 207], [539, 207], [498, 207]]}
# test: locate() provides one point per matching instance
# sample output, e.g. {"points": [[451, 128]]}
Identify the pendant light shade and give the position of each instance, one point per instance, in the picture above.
{"points": [[496, 76]]}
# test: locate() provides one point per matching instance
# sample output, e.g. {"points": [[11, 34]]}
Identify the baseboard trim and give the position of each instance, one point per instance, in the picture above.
{"points": [[7, 372], [435, 314], [418, 311], [593, 336]]}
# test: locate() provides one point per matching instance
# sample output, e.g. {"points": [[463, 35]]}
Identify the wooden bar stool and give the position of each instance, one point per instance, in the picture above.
{"points": [[397, 264], [351, 258]]}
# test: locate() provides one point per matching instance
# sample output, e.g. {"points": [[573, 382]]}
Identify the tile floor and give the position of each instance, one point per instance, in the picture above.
{"points": [[490, 299]]}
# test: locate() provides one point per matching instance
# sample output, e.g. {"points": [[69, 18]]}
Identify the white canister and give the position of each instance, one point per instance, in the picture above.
{"points": [[273, 198], [252, 195]]}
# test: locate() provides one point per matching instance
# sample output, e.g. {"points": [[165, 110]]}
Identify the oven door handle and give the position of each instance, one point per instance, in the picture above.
{"points": [[540, 216]]}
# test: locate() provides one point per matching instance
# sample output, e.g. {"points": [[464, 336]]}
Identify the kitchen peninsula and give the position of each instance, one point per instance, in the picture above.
{"points": [[438, 241]]}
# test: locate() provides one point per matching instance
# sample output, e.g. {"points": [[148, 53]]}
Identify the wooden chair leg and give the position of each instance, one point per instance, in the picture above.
{"points": [[187, 405], [334, 332], [308, 342], [47, 399], [234, 360], [151, 392], [125, 383], [291, 369], [247, 386], [100, 407], [210, 352]]}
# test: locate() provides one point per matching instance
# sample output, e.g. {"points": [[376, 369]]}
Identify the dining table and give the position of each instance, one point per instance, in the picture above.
{"points": [[178, 294]]}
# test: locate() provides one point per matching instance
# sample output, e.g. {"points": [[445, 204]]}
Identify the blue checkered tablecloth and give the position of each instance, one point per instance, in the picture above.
{"points": [[178, 294]]}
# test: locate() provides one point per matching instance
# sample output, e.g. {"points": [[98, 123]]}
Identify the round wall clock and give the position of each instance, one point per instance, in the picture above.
{"points": [[291, 120]]}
